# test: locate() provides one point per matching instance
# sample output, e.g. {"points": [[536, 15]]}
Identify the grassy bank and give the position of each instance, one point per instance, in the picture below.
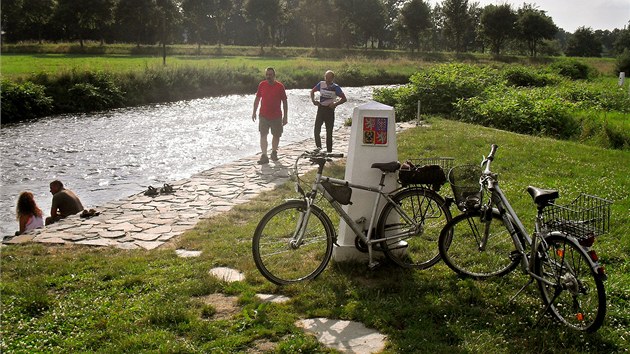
{"points": [[70, 299]]}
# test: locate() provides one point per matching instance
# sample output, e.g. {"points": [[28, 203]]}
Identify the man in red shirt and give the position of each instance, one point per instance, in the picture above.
{"points": [[272, 93]]}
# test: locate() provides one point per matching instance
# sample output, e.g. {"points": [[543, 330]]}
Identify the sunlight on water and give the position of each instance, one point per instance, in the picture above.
{"points": [[114, 154]]}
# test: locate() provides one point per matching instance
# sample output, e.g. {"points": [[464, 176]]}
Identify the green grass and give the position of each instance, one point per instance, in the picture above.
{"points": [[82, 299], [24, 65]]}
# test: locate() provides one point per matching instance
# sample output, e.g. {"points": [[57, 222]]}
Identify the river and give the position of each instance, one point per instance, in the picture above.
{"points": [[109, 155]]}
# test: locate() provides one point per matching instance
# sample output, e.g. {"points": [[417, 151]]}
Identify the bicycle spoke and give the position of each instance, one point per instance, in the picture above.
{"points": [[576, 295], [412, 226], [277, 256]]}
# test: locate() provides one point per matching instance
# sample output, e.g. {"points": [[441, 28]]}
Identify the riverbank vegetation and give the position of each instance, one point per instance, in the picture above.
{"points": [[564, 100], [88, 299]]}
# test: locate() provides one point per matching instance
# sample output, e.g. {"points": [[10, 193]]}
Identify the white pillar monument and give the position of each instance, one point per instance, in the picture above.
{"points": [[372, 139]]}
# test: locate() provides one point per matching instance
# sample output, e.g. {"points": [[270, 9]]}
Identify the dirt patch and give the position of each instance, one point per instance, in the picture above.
{"points": [[226, 306], [262, 346]]}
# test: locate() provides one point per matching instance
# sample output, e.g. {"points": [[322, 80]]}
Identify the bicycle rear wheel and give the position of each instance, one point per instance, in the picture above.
{"points": [[573, 292], [461, 246], [416, 233], [278, 255]]}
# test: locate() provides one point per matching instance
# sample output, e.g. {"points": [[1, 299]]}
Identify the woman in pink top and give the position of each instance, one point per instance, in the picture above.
{"points": [[29, 215]]}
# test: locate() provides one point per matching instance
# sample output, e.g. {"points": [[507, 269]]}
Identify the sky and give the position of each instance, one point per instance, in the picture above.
{"points": [[571, 14]]}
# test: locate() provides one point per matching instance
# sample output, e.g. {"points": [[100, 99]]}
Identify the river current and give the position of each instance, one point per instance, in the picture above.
{"points": [[109, 155]]}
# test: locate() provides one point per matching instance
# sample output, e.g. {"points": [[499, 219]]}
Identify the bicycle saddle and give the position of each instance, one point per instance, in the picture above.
{"points": [[387, 166], [541, 196]]}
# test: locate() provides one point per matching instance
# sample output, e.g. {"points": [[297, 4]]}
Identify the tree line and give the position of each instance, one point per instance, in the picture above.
{"points": [[452, 25]]}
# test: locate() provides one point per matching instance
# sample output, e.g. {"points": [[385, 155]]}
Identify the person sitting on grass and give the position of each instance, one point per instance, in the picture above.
{"points": [[64, 203]]}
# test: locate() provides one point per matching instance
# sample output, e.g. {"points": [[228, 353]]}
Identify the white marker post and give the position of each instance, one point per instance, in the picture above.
{"points": [[622, 78], [372, 139]]}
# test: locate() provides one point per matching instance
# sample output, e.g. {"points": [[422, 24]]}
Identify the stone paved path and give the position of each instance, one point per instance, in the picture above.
{"points": [[140, 221]]}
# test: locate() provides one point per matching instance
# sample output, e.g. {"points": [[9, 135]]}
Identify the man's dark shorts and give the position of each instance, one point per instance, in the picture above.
{"points": [[275, 125]]}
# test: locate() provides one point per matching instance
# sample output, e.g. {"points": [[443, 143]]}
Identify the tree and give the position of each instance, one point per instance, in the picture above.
{"points": [[392, 11], [457, 23], [10, 11], [584, 43], [622, 40], [533, 26], [415, 17], [474, 36], [84, 19], [223, 9], [135, 21], [266, 14], [497, 26], [369, 18], [168, 16], [197, 14], [31, 18]]}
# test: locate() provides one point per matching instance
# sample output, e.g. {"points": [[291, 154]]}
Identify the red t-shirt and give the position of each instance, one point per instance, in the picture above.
{"points": [[271, 99]]}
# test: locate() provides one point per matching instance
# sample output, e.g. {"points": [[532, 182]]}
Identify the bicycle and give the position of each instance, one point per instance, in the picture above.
{"points": [[488, 240], [294, 241]]}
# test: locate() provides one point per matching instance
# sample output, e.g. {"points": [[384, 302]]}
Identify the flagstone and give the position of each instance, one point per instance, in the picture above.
{"points": [[145, 236], [112, 234], [126, 226], [97, 242], [149, 245]]}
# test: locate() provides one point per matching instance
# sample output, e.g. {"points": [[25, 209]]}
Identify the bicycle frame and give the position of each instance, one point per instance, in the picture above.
{"points": [[317, 187], [514, 225]]}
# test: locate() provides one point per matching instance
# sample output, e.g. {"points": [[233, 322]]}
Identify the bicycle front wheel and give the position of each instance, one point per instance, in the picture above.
{"points": [[571, 290], [289, 247], [474, 247], [412, 227]]}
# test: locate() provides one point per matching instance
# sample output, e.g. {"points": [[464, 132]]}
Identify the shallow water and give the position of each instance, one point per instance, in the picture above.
{"points": [[110, 155]]}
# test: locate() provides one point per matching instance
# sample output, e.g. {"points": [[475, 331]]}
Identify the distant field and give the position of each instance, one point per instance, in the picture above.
{"points": [[21, 60], [21, 65]]}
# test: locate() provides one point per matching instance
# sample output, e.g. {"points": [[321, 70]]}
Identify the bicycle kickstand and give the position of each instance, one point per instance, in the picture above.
{"points": [[555, 295], [531, 280]]}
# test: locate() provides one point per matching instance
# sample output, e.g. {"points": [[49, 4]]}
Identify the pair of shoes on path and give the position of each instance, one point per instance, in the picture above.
{"points": [[89, 213], [152, 191], [265, 160]]}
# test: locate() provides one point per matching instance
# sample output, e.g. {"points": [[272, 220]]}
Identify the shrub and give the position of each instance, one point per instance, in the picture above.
{"points": [[404, 99], [76, 91], [623, 63], [598, 96], [23, 101], [521, 76], [438, 88], [533, 112], [573, 69]]}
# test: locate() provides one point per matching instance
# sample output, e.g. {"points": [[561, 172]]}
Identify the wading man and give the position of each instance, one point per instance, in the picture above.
{"points": [[330, 96], [270, 95]]}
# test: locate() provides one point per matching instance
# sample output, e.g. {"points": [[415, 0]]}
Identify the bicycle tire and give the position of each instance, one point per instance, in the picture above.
{"points": [[580, 301], [281, 262], [417, 245], [460, 250]]}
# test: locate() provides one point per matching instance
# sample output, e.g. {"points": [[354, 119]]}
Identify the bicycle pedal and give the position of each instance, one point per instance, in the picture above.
{"points": [[515, 255]]}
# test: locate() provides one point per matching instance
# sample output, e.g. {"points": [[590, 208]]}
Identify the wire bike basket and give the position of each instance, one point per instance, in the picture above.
{"points": [[464, 180], [585, 217], [427, 171]]}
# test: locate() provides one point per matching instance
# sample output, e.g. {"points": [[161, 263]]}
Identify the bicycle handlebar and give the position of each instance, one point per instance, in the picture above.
{"points": [[487, 160]]}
